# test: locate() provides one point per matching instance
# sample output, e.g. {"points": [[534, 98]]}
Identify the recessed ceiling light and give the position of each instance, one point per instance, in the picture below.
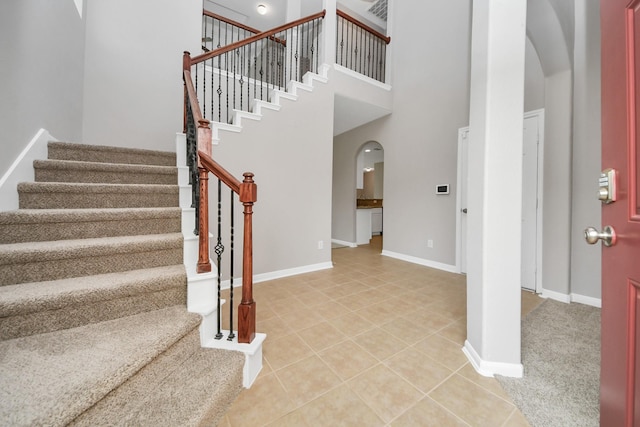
{"points": [[367, 151], [262, 9]]}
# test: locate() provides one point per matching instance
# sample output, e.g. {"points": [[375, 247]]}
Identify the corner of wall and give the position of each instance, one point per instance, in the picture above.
{"points": [[22, 169]]}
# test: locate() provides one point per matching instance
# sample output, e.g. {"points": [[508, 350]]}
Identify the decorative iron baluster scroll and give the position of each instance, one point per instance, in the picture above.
{"points": [[219, 250]]}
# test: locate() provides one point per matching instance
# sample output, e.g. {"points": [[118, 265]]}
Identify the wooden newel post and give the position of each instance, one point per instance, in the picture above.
{"points": [[204, 262], [186, 66], [247, 308]]}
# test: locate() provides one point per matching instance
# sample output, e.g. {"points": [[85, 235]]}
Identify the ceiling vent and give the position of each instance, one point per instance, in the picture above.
{"points": [[379, 9]]}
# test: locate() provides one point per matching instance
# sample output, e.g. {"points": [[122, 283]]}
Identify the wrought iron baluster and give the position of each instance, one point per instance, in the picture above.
{"points": [[213, 83], [234, 60], [219, 90], [226, 72], [297, 51], [219, 249], [268, 64], [341, 42], [354, 47], [362, 42], [204, 32], [369, 50], [261, 67], [231, 334], [248, 56], [317, 35], [255, 72], [204, 89], [384, 63], [290, 49], [241, 72], [283, 58], [192, 162], [304, 52], [379, 61]]}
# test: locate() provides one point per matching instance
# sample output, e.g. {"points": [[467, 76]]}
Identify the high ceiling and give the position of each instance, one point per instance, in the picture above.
{"points": [[245, 11], [348, 113]]}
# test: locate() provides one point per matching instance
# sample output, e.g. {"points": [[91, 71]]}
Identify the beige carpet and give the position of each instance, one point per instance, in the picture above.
{"points": [[561, 357], [94, 328]]}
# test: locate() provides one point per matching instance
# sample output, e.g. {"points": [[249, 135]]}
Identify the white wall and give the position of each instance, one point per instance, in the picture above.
{"points": [[585, 259], [42, 51], [290, 153], [133, 70], [556, 228], [430, 102], [533, 79]]}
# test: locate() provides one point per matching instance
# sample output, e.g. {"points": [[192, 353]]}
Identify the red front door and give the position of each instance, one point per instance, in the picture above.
{"points": [[620, 371]]}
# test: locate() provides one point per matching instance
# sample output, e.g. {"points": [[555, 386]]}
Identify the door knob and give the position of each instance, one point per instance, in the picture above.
{"points": [[608, 236], [463, 210]]}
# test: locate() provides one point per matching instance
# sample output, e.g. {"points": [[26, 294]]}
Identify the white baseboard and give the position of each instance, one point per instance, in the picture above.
{"points": [[421, 261], [257, 278], [556, 296], [263, 277], [22, 169], [344, 243], [489, 369], [582, 299]]}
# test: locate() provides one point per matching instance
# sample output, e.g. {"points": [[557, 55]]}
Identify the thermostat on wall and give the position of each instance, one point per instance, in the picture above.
{"points": [[442, 189]]}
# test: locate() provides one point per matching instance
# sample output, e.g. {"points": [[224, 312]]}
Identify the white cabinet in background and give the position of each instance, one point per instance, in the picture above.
{"points": [[376, 221], [363, 226], [368, 223]]}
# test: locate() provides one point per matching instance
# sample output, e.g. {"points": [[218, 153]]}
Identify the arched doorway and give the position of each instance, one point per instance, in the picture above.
{"points": [[370, 194]]}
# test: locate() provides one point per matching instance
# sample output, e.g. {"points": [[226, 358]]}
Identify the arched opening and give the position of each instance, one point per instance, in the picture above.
{"points": [[370, 194]]}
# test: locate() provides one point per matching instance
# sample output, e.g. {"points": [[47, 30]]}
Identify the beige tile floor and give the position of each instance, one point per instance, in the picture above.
{"points": [[372, 342]]}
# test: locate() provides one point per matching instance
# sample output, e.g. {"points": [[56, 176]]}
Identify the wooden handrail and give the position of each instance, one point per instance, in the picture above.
{"points": [[193, 99], [353, 20], [220, 172], [249, 40], [230, 21]]}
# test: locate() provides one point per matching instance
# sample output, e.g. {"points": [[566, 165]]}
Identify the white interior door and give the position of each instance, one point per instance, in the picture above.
{"points": [[529, 203], [531, 200], [463, 146]]}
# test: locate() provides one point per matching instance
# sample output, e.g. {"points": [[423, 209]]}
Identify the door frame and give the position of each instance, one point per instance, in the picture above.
{"points": [[460, 245]]}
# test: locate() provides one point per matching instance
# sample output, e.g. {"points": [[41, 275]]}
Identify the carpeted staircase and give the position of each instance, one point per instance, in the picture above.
{"points": [[94, 328]]}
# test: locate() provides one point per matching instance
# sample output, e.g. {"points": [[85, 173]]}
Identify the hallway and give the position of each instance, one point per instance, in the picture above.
{"points": [[372, 342]]}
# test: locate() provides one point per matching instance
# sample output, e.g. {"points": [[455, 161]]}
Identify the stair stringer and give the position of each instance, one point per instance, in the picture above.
{"points": [[277, 98]]}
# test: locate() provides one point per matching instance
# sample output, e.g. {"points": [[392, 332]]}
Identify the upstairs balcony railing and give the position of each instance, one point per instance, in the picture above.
{"points": [[218, 31], [360, 48], [230, 77]]}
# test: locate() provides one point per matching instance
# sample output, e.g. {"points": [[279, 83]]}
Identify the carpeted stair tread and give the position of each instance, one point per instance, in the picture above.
{"points": [[39, 307], [96, 172], [70, 370], [59, 195], [28, 225], [52, 260], [108, 154], [183, 387]]}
